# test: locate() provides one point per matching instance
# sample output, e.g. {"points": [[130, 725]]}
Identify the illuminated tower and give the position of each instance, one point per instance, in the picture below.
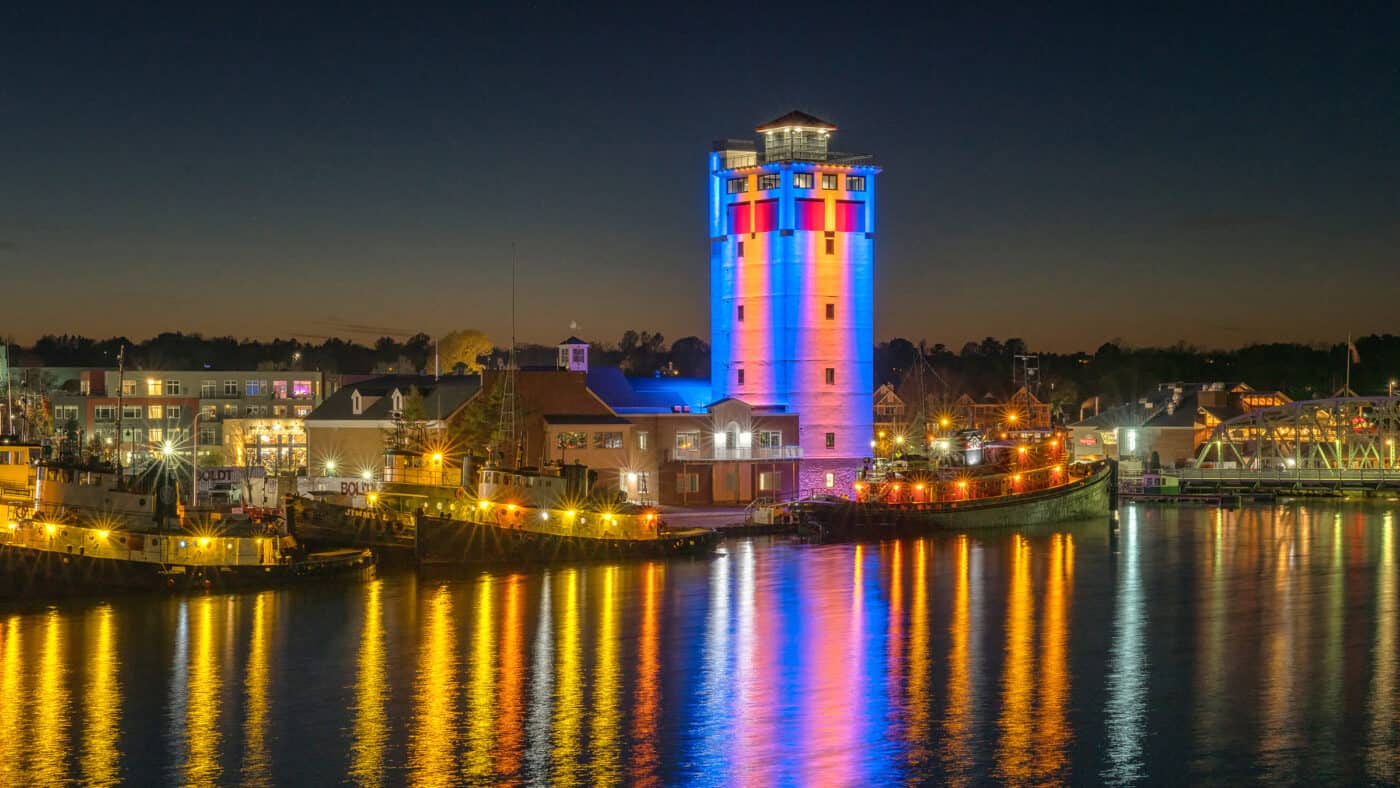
{"points": [[792, 229]]}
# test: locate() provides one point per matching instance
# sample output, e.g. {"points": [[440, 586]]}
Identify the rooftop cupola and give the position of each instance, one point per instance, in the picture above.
{"points": [[573, 355], [796, 136]]}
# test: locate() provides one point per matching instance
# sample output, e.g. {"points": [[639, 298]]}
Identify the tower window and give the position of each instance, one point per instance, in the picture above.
{"points": [[829, 181], [736, 185], [740, 314], [831, 246], [831, 376], [830, 480], [740, 377], [831, 440], [855, 183], [830, 311], [803, 180], [771, 180], [741, 249]]}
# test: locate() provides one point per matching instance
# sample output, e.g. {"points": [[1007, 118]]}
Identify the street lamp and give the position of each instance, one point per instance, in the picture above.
{"points": [[330, 467]]}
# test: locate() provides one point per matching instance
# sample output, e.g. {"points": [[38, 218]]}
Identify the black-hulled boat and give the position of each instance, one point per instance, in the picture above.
{"points": [[895, 509]]}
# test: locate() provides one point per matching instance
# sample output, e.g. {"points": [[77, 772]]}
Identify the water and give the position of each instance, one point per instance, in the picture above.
{"points": [[1195, 645]]}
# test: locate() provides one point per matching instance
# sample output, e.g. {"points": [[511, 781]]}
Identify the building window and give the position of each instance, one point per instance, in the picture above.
{"points": [[829, 180], [208, 388], [172, 388], [396, 403], [131, 411], [152, 387], [831, 440], [607, 440], [855, 183], [302, 411], [770, 439], [740, 313], [155, 434], [279, 389], [172, 412], [687, 482], [571, 440], [686, 441], [208, 436], [104, 413], [830, 308], [803, 180], [771, 180], [740, 249], [155, 412], [831, 376], [737, 185], [830, 480], [128, 388], [230, 388], [768, 482], [357, 403], [739, 376], [831, 246], [252, 410], [642, 440], [643, 483], [208, 411], [254, 388], [279, 410], [301, 389]]}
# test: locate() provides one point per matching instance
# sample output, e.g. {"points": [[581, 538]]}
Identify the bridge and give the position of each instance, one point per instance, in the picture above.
{"points": [[1335, 444]]}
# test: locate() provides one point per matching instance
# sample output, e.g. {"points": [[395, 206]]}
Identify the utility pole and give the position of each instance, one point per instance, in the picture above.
{"points": [[9, 394]]}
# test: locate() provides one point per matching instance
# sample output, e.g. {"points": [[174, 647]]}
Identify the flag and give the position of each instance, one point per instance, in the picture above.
{"points": [[1351, 347]]}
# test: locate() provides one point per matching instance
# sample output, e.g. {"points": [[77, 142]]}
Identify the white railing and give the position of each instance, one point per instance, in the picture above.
{"points": [[1288, 474], [745, 453]]}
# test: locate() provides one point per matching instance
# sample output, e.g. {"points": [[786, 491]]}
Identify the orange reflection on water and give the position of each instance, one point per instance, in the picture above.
{"points": [[430, 748], [1053, 732], [1382, 763], [603, 736], [102, 699], [512, 711], [11, 691], [256, 761], [371, 724], [916, 735], [1017, 690], [50, 744], [203, 698], [957, 718], [648, 693], [480, 707], [568, 701]]}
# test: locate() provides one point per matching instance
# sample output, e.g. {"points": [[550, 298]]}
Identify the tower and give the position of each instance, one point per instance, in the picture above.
{"points": [[792, 229]]}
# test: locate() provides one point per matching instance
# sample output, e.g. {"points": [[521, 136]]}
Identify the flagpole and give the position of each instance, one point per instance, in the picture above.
{"points": [[1347, 391]]}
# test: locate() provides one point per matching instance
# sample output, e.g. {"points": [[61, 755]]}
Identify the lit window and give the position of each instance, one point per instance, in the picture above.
{"points": [[129, 388], [255, 388], [768, 482], [572, 440], [830, 308], [687, 440], [803, 180], [829, 180], [830, 480], [279, 410], [156, 434], [302, 411], [642, 440], [208, 388], [831, 246], [301, 389], [769, 181], [607, 440], [736, 185], [153, 387], [831, 376], [279, 389], [855, 183], [831, 440], [155, 412]]}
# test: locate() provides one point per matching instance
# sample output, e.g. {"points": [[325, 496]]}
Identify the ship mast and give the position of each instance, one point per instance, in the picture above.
{"points": [[506, 428]]}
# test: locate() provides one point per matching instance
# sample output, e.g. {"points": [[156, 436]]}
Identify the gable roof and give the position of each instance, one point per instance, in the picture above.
{"points": [[797, 118], [573, 341], [442, 397]]}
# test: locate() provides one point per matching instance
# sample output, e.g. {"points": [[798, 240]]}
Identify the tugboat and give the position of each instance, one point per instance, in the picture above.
{"points": [[526, 515], [1033, 486], [90, 529]]}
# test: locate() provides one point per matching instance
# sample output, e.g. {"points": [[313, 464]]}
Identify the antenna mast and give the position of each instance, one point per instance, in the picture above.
{"points": [[508, 438]]}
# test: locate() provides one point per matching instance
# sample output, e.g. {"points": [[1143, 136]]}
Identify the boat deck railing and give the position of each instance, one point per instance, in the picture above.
{"points": [[159, 548]]}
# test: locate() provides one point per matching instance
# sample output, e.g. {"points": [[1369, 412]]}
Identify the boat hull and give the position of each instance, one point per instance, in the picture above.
{"points": [[28, 572], [327, 526], [443, 542], [1087, 498]]}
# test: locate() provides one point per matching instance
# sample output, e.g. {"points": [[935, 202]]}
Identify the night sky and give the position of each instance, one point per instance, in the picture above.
{"points": [[1219, 177]]}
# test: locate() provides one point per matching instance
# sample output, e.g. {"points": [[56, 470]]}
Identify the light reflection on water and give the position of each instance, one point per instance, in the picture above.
{"points": [[1258, 645]]}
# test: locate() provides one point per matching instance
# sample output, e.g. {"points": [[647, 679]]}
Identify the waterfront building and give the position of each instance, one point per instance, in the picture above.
{"points": [[792, 237], [1171, 422]]}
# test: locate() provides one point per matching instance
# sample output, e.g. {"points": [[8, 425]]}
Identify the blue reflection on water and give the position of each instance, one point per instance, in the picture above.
{"points": [[1127, 678]]}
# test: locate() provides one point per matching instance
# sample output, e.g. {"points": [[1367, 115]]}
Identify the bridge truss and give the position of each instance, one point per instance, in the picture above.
{"points": [[1339, 434]]}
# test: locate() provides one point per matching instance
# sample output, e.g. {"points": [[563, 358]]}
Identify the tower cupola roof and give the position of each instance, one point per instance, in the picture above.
{"points": [[799, 120]]}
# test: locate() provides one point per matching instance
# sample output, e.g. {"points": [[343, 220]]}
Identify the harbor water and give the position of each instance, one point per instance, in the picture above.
{"points": [[1186, 645]]}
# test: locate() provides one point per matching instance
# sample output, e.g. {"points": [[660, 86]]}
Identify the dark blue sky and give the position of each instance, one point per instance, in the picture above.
{"points": [[1218, 176]]}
